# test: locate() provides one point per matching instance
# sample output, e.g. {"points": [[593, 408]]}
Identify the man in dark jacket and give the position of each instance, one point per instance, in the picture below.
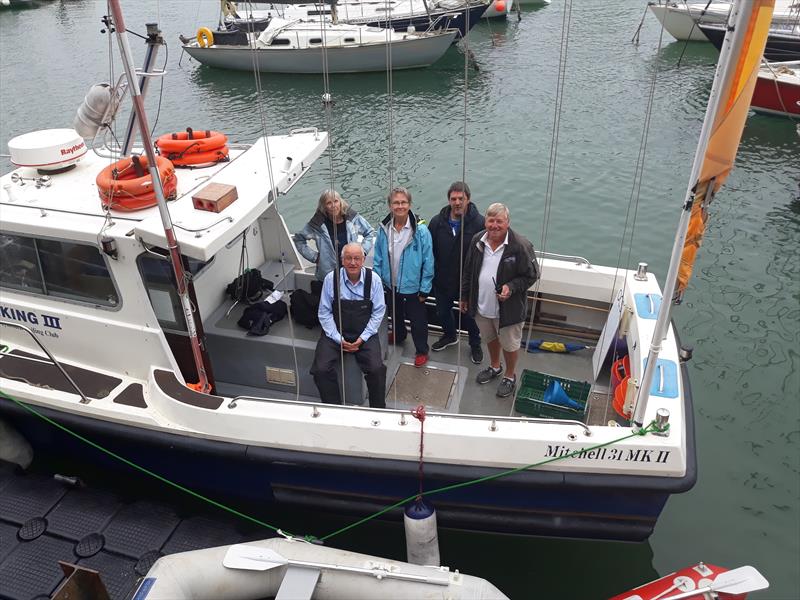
{"points": [[451, 230], [500, 267]]}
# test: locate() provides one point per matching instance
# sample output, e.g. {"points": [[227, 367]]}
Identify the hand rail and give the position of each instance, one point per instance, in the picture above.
{"points": [[84, 399], [403, 412], [578, 259]]}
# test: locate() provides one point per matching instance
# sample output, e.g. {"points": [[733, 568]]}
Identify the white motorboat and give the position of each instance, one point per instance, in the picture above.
{"points": [[314, 46], [680, 18], [103, 341], [291, 568]]}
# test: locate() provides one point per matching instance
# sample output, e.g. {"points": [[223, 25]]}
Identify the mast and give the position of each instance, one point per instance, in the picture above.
{"points": [[172, 242], [747, 33]]}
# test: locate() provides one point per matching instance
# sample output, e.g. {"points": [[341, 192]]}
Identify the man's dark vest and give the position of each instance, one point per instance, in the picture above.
{"points": [[355, 313]]}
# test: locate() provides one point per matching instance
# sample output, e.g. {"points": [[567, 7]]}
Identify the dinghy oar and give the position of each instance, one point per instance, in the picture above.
{"points": [[255, 558], [737, 581]]}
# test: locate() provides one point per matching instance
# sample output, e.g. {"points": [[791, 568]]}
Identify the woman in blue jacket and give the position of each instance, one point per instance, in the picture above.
{"points": [[333, 226], [404, 261]]}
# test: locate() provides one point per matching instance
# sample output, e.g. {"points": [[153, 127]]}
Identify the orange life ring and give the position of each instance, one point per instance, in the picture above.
{"points": [[184, 142], [199, 158], [122, 188], [619, 398]]}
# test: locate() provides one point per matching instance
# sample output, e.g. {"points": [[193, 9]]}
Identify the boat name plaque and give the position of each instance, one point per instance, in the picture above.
{"points": [[640, 455], [31, 318]]}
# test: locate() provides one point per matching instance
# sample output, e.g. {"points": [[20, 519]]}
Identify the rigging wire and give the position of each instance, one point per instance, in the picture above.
{"points": [[252, 38], [551, 169], [390, 148], [633, 203]]}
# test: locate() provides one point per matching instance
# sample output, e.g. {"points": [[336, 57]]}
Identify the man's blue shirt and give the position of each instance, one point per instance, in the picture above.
{"points": [[351, 291]]}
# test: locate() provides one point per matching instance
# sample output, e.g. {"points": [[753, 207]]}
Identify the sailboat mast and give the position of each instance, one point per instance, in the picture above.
{"points": [[172, 241], [729, 71]]}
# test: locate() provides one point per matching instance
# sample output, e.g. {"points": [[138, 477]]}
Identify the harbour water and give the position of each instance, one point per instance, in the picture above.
{"points": [[742, 310]]}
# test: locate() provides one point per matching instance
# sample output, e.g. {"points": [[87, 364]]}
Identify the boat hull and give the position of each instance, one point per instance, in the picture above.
{"points": [[536, 502], [679, 23], [405, 54], [421, 22], [777, 95], [780, 47]]}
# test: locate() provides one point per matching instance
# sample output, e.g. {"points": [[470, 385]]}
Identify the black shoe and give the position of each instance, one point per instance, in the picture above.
{"points": [[506, 387], [476, 354], [443, 342], [487, 374]]}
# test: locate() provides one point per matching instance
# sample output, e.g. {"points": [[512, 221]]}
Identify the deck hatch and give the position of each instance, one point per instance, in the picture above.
{"points": [[428, 386]]}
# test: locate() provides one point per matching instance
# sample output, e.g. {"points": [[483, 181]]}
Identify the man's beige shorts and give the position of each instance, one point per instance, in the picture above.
{"points": [[510, 336]]}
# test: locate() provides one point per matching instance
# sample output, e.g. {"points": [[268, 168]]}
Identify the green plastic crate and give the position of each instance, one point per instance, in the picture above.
{"points": [[530, 397]]}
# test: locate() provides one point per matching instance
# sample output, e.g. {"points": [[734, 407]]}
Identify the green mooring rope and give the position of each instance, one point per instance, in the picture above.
{"points": [[652, 427]]}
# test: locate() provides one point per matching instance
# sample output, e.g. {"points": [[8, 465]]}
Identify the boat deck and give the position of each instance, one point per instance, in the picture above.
{"points": [[446, 384], [44, 521]]}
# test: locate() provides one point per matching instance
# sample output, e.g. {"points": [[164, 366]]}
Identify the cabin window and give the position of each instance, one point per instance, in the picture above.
{"points": [[351, 40], [280, 42], [316, 13], [156, 271], [19, 264], [61, 269], [315, 41]]}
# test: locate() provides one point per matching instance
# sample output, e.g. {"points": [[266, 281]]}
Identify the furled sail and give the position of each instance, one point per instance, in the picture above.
{"points": [[726, 132]]}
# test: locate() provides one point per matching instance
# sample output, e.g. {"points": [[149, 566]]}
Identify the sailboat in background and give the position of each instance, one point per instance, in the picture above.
{"points": [[680, 19]]}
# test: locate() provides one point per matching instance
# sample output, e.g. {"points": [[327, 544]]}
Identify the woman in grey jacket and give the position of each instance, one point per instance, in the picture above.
{"points": [[333, 225]]}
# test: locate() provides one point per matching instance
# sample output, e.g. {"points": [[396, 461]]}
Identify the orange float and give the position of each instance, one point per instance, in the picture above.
{"points": [[188, 148], [619, 398], [127, 185]]}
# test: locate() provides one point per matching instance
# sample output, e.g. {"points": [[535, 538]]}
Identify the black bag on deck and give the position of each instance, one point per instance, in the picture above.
{"points": [[304, 306], [258, 318], [248, 287]]}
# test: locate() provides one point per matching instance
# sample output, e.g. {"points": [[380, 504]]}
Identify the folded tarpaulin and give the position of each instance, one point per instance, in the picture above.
{"points": [[555, 394], [543, 346]]}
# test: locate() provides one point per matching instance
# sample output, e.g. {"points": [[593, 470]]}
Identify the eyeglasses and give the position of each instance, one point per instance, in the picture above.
{"points": [[400, 203]]}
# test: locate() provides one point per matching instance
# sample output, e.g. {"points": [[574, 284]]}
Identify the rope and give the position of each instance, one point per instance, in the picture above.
{"points": [[651, 428], [419, 414]]}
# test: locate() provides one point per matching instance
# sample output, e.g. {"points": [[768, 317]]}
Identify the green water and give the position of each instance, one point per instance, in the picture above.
{"points": [[741, 311]]}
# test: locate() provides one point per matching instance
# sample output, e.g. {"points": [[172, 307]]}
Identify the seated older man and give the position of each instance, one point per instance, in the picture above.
{"points": [[350, 311]]}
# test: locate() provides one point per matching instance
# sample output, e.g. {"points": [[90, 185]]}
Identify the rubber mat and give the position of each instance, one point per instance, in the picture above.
{"points": [[43, 520], [29, 496], [117, 573], [140, 527], [199, 532], [32, 568], [82, 512]]}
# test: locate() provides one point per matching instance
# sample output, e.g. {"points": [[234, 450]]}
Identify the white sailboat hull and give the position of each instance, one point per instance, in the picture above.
{"points": [[405, 54], [679, 19]]}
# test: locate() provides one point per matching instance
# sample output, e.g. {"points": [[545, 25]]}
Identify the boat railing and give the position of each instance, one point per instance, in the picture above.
{"points": [[84, 399], [404, 413], [578, 260]]}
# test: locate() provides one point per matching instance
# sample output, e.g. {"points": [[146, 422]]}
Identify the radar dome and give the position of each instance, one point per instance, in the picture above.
{"points": [[47, 150]]}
